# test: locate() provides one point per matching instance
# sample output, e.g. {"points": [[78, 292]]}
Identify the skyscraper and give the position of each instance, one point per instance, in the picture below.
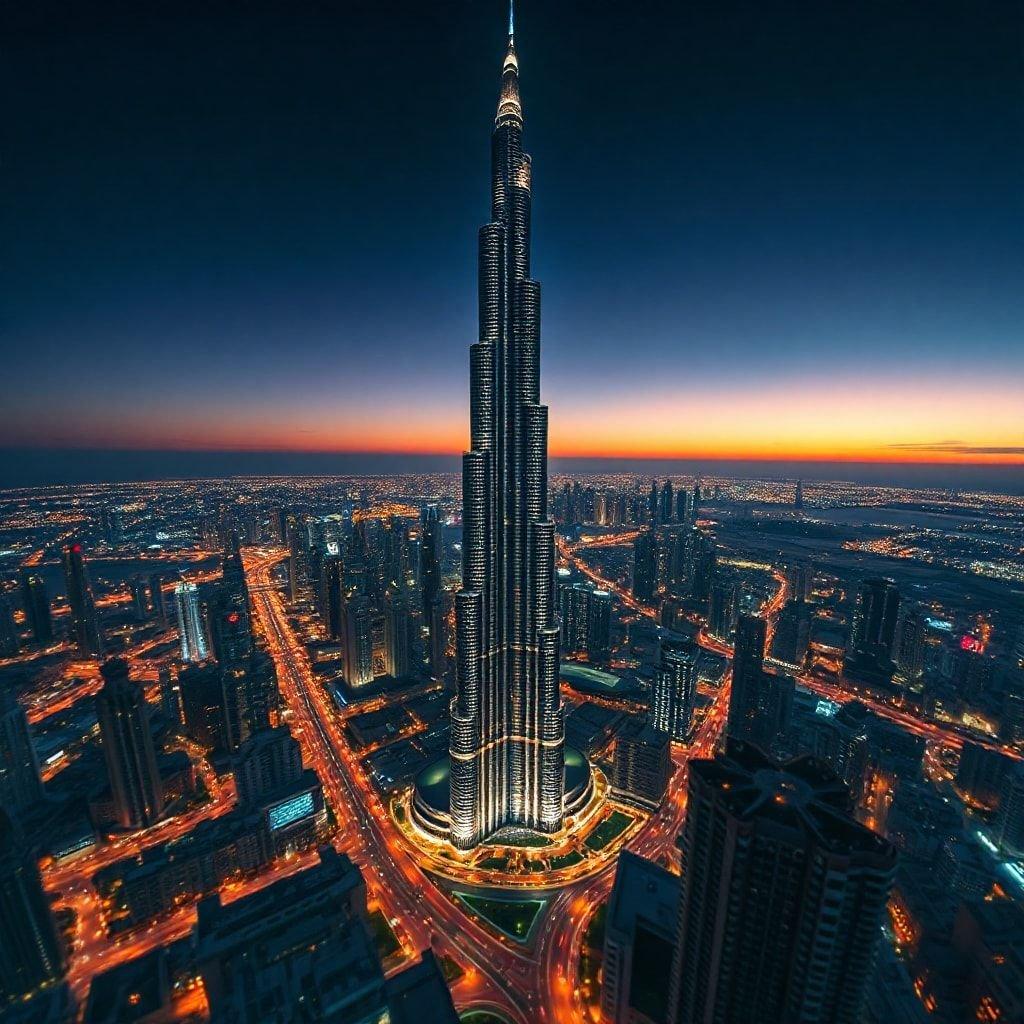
{"points": [[156, 595], [431, 561], [874, 629], [793, 632], [140, 599], [191, 630], [645, 566], [10, 638], [37, 606], [398, 626], [30, 951], [230, 623], [783, 895], [357, 640], [112, 524], [908, 649], [123, 717], [507, 718], [248, 695], [20, 784], [675, 687], [638, 941], [269, 760], [85, 623], [748, 699]]}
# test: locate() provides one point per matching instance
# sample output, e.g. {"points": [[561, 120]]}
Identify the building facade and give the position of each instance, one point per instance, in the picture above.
{"points": [[783, 895], [507, 759]]}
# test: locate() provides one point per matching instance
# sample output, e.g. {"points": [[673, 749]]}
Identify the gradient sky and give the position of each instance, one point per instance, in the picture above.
{"points": [[762, 229]]}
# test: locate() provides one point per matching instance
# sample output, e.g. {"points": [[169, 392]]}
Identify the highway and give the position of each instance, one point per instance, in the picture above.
{"points": [[538, 984], [425, 917]]}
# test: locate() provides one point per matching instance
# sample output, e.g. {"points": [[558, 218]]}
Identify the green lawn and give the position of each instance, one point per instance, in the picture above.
{"points": [[566, 860], [451, 970], [385, 939], [514, 918], [614, 825], [493, 864]]}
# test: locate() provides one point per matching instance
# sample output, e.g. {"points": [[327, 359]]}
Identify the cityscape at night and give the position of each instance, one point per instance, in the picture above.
{"points": [[371, 655]]}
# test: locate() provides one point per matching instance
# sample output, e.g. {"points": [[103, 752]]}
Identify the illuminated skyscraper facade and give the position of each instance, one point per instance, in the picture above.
{"points": [[85, 622], [507, 719], [191, 629]]}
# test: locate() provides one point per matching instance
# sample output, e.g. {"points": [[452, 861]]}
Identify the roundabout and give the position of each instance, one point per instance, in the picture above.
{"points": [[595, 831]]}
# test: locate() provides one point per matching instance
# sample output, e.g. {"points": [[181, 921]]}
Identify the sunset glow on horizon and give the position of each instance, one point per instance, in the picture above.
{"points": [[890, 425]]}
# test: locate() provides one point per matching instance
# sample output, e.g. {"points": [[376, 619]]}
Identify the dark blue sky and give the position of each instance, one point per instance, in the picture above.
{"points": [[762, 229]]}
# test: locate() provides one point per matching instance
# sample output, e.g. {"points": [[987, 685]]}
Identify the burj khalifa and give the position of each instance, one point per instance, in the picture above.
{"points": [[507, 738]]}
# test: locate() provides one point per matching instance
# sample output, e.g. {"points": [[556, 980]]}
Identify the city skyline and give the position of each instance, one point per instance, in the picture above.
{"points": [[718, 716], [812, 235]]}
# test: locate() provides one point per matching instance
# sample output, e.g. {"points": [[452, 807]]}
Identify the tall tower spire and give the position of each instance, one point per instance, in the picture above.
{"points": [[509, 104], [507, 760]]}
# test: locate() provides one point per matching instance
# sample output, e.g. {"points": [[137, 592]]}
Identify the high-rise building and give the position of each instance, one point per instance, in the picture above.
{"points": [[638, 942], [981, 775], [123, 717], [20, 784], [36, 602], [298, 557], [722, 610], [653, 504], [783, 895], [800, 580], [268, 761], [599, 624], [798, 496], [202, 705], [112, 525], [191, 628], [331, 593], [230, 610], [703, 562], [682, 505], [675, 688], [908, 650], [170, 698], [441, 662], [666, 503], [431, 569], [1010, 821], [792, 633], [398, 638], [645, 566], [507, 758], [305, 942], [31, 954], [85, 623], [249, 696], [10, 637], [585, 619], [140, 599], [748, 699], [643, 764], [159, 599], [874, 629], [357, 640]]}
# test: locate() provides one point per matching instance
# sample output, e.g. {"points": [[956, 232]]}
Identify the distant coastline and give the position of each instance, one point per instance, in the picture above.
{"points": [[39, 467]]}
